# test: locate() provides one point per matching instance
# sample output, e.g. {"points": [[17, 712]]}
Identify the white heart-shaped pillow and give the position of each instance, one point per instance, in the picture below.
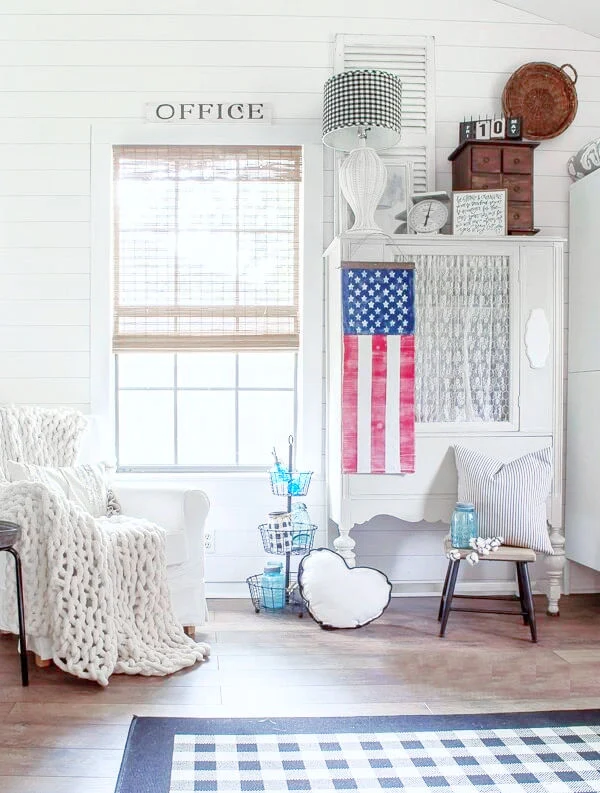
{"points": [[338, 596]]}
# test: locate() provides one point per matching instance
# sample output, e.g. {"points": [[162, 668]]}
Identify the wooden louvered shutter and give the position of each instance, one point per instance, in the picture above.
{"points": [[411, 58]]}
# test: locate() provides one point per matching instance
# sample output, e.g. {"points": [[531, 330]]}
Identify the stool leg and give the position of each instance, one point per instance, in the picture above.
{"points": [[444, 589], [524, 608], [529, 600], [21, 610], [453, 569]]}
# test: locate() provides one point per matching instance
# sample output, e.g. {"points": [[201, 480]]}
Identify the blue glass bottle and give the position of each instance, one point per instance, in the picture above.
{"points": [[273, 586], [279, 471], [464, 525], [301, 527]]}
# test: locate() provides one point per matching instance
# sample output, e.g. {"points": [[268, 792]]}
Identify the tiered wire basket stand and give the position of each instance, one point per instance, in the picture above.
{"points": [[289, 484]]}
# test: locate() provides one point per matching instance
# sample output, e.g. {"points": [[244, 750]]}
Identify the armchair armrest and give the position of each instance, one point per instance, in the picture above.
{"points": [[182, 512]]}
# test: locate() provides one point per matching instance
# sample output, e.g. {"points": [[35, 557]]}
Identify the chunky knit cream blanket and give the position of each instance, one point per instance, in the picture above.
{"points": [[96, 587]]}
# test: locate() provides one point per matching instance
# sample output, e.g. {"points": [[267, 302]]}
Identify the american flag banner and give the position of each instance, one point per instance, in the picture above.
{"points": [[378, 372]]}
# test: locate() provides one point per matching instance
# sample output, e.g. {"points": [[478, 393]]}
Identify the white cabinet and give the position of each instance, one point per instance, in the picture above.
{"points": [[582, 507], [533, 414]]}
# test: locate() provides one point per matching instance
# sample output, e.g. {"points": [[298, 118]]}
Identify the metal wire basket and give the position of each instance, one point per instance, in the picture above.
{"points": [[295, 540], [293, 483], [274, 599]]}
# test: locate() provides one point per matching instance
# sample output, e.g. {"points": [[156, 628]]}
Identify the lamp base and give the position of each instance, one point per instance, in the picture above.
{"points": [[363, 178]]}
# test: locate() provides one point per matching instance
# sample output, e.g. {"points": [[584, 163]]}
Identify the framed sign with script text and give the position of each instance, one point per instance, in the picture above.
{"points": [[208, 112], [479, 212]]}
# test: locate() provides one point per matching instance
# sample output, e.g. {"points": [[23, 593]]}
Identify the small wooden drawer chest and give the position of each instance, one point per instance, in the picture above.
{"points": [[496, 164]]}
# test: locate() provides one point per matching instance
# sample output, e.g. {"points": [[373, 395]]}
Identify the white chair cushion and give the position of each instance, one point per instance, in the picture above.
{"points": [[338, 596], [505, 553], [509, 497]]}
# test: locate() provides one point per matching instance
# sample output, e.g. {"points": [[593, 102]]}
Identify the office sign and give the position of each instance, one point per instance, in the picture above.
{"points": [[208, 112]]}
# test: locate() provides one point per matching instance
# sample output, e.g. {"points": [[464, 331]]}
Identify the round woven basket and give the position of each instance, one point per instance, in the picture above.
{"points": [[544, 96]]}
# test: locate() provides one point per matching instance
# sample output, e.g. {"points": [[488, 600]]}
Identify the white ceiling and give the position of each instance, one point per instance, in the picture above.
{"points": [[582, 15]]}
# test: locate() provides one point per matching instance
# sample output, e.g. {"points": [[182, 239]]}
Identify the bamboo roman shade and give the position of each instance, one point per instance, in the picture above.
{"points": [[206, 247]]}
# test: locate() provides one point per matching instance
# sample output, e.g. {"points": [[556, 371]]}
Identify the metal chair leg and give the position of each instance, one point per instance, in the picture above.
{"points": [[444, 589], [454, 565], [529, 600], [21, 611], [522, 593]]}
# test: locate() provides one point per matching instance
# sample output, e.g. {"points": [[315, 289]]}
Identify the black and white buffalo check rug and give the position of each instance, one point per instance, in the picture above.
{"points": [[549, 752]]}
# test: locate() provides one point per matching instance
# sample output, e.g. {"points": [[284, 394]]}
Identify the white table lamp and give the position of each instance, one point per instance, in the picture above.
{"points": [[361, 113]]}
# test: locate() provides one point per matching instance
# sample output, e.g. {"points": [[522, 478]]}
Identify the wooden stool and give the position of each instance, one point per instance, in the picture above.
{"points": [[9, 534], [506, 553]]}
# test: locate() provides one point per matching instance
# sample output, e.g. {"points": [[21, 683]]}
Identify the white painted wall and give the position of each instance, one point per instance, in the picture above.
{"points": [[66, 65], [579, 14]]}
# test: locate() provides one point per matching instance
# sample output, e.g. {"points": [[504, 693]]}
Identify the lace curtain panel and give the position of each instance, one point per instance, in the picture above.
{"points": [[462, 306]]}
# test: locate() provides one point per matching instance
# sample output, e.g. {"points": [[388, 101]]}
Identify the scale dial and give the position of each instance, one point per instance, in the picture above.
{"points": [[428, 216]]}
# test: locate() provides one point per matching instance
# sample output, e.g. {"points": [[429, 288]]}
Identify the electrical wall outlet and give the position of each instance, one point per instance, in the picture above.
{"points": [[209, 541]]}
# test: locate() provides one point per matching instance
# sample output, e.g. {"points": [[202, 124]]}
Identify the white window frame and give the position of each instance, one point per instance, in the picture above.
{"points": [[310, 358]]}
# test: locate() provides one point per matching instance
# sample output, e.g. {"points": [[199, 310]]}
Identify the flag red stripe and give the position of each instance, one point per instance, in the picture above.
{"points": [[378, 397], [407, 404], [350, 405]]}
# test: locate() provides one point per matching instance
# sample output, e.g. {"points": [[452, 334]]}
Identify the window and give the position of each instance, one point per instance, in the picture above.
{"points": [[206, 320], [463, 364], [203, 409]]}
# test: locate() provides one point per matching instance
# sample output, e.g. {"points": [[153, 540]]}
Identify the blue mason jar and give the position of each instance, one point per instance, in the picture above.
{"points": [[273, 586], [464, 525]]}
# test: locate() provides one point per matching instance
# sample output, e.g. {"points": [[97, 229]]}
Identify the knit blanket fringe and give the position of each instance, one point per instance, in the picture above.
{"points": [[96, 587]]}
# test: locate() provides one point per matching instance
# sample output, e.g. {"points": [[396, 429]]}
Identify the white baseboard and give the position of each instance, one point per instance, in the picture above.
{"points": [[239, 589], [434, 588], [228, 589]]}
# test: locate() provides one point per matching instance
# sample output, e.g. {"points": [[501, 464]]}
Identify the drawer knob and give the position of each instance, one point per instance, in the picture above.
{"points": [[517, 188], [516, 215], [486, 159], [517, 160]]}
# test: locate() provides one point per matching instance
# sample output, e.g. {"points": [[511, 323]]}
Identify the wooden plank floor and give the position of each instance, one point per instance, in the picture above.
{"points": [[63, 735]]}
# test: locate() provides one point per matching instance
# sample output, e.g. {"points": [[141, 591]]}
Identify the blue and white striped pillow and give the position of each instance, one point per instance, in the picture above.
{"points": [[510, 498]]}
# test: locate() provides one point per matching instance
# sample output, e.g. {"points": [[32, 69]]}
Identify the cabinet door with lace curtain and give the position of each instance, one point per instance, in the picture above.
{"points": [[466, 370]]}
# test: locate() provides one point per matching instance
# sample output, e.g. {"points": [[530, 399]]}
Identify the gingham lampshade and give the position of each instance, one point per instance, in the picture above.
{"points": [[362, 98]]}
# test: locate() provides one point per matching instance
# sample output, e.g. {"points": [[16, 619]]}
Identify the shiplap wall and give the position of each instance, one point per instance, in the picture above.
{"points": [[65, 65]]}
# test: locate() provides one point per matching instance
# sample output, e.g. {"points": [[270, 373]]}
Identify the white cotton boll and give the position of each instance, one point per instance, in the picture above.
{"points": [[485, 551], [473, 542], [472, 558], [500, 540]]}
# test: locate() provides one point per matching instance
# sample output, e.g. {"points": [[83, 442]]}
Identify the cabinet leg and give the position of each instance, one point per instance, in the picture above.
{"points": [[344, 545], [555, 566], [189, 630], [42, 663]]}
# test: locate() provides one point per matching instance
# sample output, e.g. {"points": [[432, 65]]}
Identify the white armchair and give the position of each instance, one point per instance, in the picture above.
{"points": [[179, 510], [182, 513]]}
